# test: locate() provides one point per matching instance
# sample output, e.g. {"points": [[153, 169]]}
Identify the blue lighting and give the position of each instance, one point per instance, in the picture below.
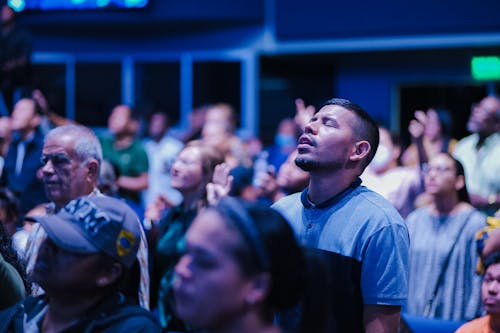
{"points": [[102, 3], [16, 5], [19, 5], [135, 3]]}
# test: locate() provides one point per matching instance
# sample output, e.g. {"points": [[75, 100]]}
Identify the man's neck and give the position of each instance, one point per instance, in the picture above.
{"points": [[482, 139], [326, 185], [123, 140]]}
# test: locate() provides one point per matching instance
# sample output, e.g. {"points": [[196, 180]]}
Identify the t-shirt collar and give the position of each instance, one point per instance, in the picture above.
{"points": [[304, 197]]}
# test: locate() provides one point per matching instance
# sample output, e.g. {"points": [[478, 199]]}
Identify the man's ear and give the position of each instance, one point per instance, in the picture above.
{"points": [[93, 167], [260, 287], [109, 275], [360, 151]]}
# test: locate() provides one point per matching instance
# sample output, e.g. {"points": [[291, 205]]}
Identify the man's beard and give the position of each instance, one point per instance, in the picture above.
{"points": [[308, 165]]}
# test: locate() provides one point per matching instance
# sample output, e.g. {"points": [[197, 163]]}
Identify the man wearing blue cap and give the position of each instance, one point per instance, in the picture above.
{"points": [[91, 243]]}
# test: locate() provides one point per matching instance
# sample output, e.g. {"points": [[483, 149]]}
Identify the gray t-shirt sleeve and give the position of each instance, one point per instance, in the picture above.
{"points": [[384, 275]]}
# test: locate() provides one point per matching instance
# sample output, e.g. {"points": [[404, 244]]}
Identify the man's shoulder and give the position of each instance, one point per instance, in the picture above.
{"points": [[288, 202]]}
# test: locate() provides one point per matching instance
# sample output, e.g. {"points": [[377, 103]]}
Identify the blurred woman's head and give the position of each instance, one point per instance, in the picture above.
{"points": [[194, 167], [240, 259], [444, 177]]}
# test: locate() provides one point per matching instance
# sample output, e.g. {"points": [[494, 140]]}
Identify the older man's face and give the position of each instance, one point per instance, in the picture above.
{"points": [[64, 175]]}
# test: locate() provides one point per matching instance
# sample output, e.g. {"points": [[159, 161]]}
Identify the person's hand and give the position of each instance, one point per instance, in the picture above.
{"points": [[154, 210], [39, 97], [221, 184], [417, 125], [303, 113]]}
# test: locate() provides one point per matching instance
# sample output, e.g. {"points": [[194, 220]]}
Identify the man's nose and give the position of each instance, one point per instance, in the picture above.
{"points": [[310, 127], [493, 288], [48, 167]]}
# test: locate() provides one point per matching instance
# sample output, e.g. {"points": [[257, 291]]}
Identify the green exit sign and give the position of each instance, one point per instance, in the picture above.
{"points": [[485, 68]]}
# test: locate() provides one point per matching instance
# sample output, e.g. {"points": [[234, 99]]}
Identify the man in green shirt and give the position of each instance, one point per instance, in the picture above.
{"points": [[126, 154]]}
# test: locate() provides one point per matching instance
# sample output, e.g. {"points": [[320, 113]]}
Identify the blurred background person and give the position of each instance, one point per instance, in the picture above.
{"points": [[127, 154], [431, 133], [162, 149], [285, 142], [384, 175], [15, 59], [479, 153], [219, 131], [22, 165], [190, 173], [443, 282]]}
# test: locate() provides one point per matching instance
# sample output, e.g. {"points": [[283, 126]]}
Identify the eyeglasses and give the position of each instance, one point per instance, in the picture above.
{"points": [[438, 169]]}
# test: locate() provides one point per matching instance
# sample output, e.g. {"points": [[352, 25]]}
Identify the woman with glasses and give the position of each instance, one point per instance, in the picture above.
{"points": [[443, 256]]}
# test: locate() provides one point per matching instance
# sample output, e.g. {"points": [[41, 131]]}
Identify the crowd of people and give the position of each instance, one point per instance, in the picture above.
{"points": [[334, 227]]}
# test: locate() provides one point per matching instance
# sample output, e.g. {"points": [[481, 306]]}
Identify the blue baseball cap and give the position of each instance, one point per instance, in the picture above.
{"points": [[94, 224]]}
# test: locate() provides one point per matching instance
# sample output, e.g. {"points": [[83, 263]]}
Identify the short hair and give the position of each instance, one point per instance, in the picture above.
{"points": [[87, 146], [364, 127], [493, 258]]}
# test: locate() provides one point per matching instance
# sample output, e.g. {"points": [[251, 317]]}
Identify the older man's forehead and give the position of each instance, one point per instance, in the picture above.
{"points": [[60, 144]]}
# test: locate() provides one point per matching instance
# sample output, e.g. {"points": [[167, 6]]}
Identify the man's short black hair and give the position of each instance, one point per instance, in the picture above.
{"points": [[364, 128], [493, 258]]}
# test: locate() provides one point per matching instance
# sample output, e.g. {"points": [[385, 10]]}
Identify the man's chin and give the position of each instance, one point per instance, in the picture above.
{"points": [[305, 164]]}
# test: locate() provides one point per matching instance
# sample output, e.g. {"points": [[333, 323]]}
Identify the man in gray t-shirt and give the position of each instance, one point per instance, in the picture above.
{"points": [[339, 216]]}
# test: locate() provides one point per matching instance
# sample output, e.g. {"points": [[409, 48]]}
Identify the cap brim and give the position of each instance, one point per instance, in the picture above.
{"points": [[65, 234]]}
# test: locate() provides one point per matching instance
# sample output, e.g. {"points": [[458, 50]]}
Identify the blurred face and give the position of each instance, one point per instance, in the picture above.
{"points": [[386, 155], [23, 115], [483, 117], [490, 289], [432, 127], [65, 177], [187, 171], [328, 140], [157, 125], [209, 287], [290, 177], [440, 176], [59, 271], [119, 119]]}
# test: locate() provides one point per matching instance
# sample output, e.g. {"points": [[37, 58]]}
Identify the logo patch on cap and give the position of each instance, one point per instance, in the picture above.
{"points": [[124, 242]]}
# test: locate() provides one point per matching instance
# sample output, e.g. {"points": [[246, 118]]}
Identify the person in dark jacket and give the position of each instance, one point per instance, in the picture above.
{"points": [[81, 265]]}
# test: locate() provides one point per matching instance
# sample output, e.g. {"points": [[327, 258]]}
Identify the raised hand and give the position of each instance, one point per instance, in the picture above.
{"points": [[221, 184], [303, 113]]}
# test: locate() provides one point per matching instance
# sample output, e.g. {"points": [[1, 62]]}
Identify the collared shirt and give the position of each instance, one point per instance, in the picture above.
{"points": [[38, 235]]}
